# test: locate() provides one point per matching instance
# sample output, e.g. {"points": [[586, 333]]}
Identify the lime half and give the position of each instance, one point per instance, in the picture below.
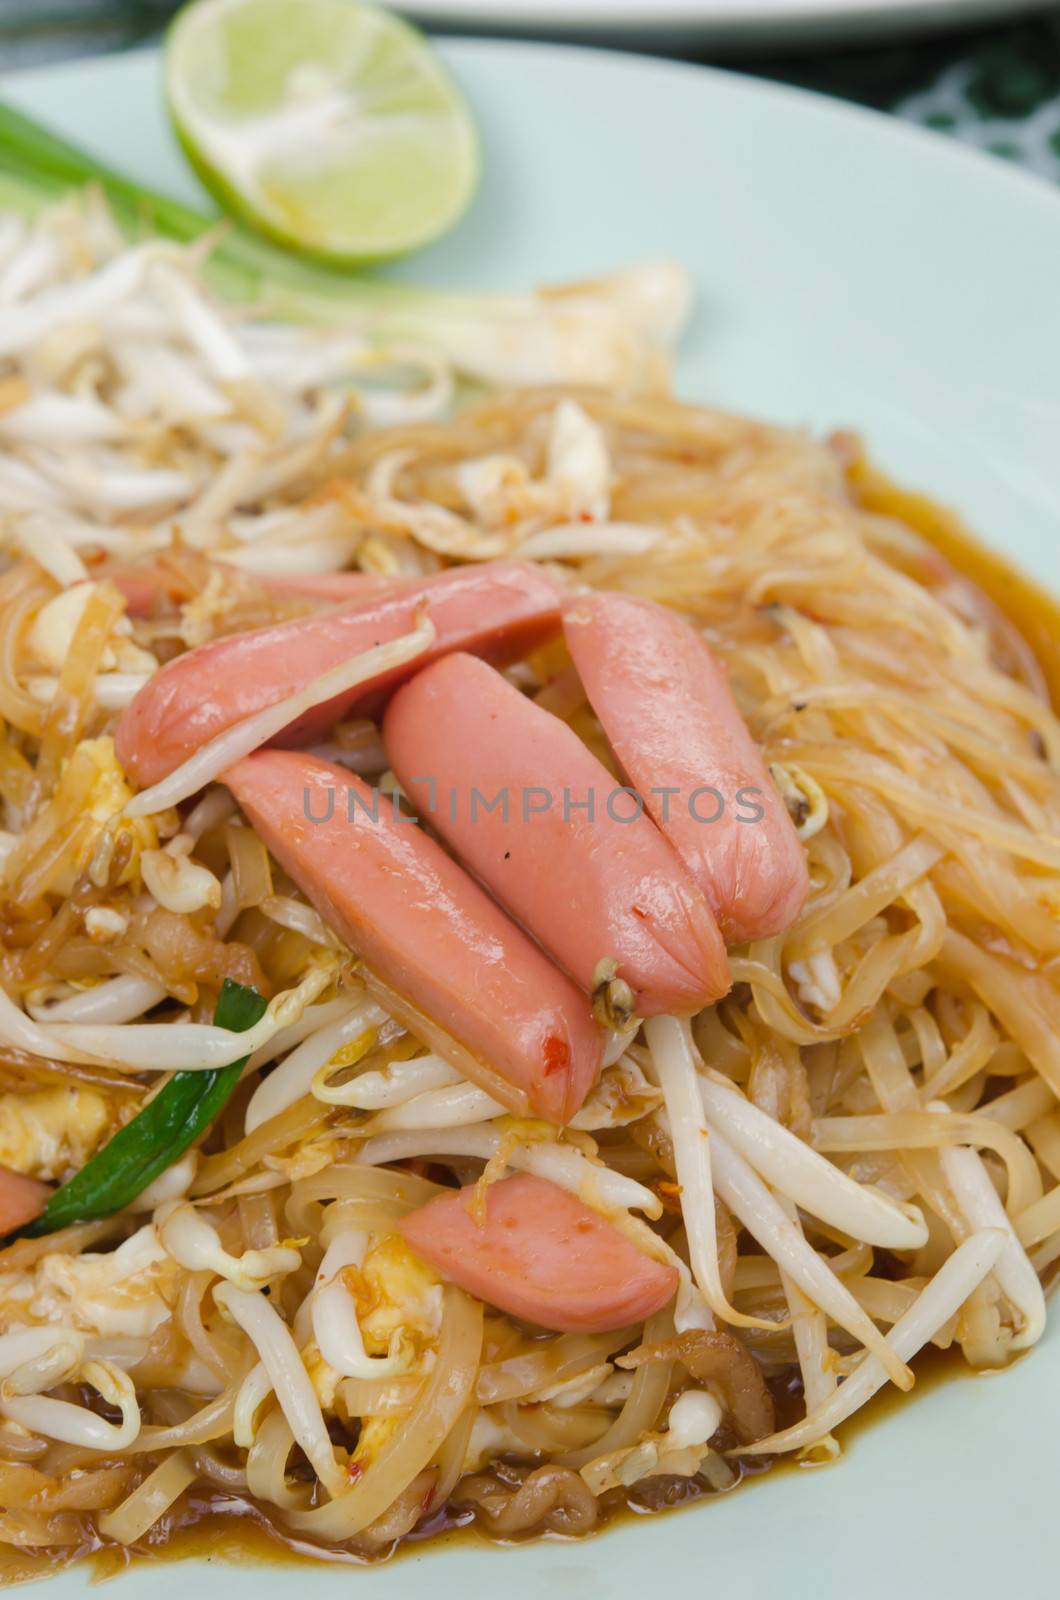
{"points": [[328, 124]]}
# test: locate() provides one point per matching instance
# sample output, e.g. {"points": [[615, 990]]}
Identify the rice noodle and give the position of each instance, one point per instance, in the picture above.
{"points": [[1022, 1001], [267, 1460], [520, 1375], [380, 1397], [925, 1130], [639, 1412], [150, 1500], [299, 1122]]}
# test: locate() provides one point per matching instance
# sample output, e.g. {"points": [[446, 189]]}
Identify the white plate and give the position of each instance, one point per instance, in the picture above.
{"points": [[852, 271], [732, 24]]}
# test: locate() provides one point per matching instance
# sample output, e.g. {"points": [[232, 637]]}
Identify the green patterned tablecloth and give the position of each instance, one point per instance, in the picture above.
{"points": [[998, 88]]}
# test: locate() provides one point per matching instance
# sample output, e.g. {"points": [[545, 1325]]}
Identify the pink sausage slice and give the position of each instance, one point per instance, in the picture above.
{"points": [[143, 584], [588, 885], [21, 1200], [426, 929], [667, 709], [330, 587], [541, 1255], [495, 609]]}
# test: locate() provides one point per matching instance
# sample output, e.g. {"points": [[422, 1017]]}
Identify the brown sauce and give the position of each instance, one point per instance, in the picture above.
{"points": [[227, 1530], [1033, 610]]}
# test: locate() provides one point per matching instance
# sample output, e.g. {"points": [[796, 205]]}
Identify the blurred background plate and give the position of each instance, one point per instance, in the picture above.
{"points": [[720, 24]]}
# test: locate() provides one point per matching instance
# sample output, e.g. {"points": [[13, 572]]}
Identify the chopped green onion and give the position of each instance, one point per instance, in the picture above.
{"points": [[156, 1138], [37, 168], [606, 330]]}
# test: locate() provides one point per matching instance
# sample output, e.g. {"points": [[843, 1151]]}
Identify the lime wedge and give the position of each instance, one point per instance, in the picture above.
{"points": [[330, 125]]}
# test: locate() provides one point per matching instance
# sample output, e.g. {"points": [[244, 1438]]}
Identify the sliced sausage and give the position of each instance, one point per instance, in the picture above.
{"points": [[330, 587], [21, 1200], [667, 710], [144, 585], [426, 929], [541, 1255], [495, 609], [554, 847]]}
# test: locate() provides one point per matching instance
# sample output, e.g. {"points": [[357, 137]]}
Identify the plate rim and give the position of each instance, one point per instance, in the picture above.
{"points": [[722, 18]]}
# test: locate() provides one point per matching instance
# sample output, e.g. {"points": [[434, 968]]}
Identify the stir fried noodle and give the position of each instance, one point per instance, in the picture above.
{"points": [[850, 1155]]}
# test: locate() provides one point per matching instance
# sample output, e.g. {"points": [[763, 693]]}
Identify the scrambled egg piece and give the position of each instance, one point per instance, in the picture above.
{"points": [[324, 1378], [43, 1132], [374, 1434], [110, 791], [126, 1292], [94, 761], [395, 1289]]}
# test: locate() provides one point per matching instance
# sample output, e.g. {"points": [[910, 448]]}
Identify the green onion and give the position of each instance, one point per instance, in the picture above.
{"points": [[37, 168], [156, 1138], [606, 331]]}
